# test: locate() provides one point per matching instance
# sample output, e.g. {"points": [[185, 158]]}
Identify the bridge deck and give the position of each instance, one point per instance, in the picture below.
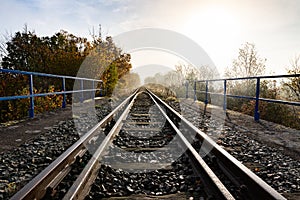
{"points": [[268, 133], [14, 134]]}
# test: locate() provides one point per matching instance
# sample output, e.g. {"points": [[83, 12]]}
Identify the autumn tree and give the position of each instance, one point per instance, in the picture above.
{"points": [[61, 54], [107, 62], [293, 85], [248, 63], [127, 84], [173, 79], [3, 52], [291, 90], [58, 54], [187, 71], [21, 52]]}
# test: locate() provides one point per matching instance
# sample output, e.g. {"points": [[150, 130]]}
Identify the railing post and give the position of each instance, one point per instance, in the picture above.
{"points": [[93, 87], [225, 97], [206, 93], [101, 86], [195, 94], [81, 88], [186, 89], [256, 111], [64, 103], [31, 109]]}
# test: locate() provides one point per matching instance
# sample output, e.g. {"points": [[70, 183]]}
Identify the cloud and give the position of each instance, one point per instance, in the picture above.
{"points": [[273, 25], [47, 17]]}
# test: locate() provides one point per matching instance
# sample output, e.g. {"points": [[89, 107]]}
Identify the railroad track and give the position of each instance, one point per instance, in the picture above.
{"points": [[262, 158], [145, 147]]}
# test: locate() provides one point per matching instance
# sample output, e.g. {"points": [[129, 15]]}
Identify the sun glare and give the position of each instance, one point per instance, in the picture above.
{"points": [[217, 30], [155, 57], [212, 23]]}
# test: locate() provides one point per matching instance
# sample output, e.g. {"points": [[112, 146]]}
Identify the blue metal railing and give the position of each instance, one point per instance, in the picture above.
{"points": [[257, 91], [63, 89]]}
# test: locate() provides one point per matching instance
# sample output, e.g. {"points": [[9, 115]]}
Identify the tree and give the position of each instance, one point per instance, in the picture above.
{"points": [[105, 61], [173, 79], [247, 64], [123, 64], [150, 79], [61, 54], [291, 90], [127, 84], [188, 72], [3, 46], [293, 85], [110, 79]]}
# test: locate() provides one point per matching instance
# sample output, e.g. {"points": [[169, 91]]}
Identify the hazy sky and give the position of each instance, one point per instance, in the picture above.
{"points": [[218, 26]]}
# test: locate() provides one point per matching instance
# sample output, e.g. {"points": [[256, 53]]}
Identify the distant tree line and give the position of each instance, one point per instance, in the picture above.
{"points": [[61, 54], [248, 63]]}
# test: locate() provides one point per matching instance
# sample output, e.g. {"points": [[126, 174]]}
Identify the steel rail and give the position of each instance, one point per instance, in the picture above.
{"points": [[257, 188], [37, 187], [210, 175], [81, 186]]}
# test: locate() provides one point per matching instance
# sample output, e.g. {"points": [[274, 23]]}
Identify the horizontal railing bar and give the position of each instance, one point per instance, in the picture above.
{"points": [[280, 101], [252, 77], [266, 99], [240, 97], [46, 75], [45, 94], [62, 92], [253, 98], [213, 93], [14, 97]]}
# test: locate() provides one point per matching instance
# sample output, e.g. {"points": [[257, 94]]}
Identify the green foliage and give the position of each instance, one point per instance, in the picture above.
{"points": [[49, 102], [161, 91], [110, 78], [292, 87], [127, 84], [61, 54], [18, 109], [274, 112], [248, 64]]}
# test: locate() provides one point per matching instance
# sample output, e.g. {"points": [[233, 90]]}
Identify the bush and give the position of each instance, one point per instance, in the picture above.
{"points": [[18, 109]]}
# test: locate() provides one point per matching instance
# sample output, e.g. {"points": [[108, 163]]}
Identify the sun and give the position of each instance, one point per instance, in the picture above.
{"points": [[216, 30], [213, 21]]}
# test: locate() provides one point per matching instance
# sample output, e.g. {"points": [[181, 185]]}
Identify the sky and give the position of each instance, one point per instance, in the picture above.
{"points": [[220, 27]]}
